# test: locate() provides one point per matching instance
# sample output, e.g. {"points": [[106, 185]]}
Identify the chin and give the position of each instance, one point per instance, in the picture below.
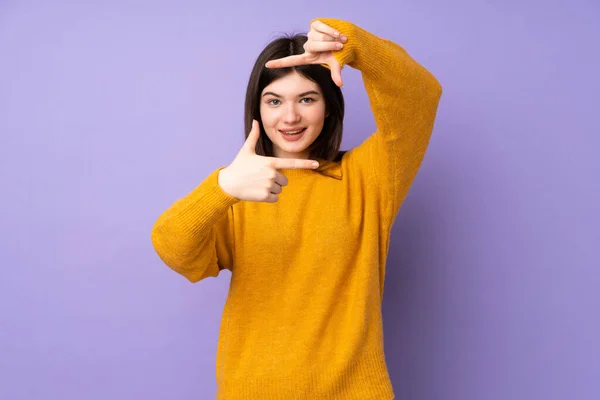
{"points": [[292, 149]]}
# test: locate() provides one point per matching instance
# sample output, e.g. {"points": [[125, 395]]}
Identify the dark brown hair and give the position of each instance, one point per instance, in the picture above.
{"points": [[327, 144]]}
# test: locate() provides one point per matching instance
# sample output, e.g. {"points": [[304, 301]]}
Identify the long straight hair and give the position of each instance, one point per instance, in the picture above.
{"points": [[327, 145]]}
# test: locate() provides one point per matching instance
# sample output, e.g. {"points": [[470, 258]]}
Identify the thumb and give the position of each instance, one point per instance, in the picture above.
{"points": [[336, 74], [252, 139]]}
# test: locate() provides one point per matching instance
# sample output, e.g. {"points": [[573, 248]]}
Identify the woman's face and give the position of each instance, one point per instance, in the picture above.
{"points": [[292, 109]]}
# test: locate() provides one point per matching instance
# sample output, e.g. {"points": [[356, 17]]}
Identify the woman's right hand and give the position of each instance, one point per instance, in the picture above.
{"points": [[256, 178]]}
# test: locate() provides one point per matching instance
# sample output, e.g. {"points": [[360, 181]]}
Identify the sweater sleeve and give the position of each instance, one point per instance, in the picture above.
{"points": [[404, 98], [194, 236]]}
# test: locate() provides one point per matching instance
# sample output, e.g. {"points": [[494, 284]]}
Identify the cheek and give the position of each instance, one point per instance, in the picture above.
{"points": [[317, 115], [269, 121], [267, 116]]}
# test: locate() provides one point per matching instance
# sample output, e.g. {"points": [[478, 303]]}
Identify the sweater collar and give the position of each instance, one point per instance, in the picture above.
{"points": [[331, 169]]}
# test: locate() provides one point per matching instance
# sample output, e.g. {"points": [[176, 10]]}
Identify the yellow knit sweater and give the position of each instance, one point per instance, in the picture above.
{"points": [[303, 316]]}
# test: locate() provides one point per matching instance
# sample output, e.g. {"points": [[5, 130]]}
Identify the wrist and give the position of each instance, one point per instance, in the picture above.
{"points": [[223, 179]]}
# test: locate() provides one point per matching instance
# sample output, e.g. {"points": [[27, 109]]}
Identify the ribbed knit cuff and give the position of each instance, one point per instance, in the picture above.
{"points": [[202, 207], [359, 40]]}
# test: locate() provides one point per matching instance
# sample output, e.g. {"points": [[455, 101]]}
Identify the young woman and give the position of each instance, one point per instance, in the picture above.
{"points": [[304, 228]]}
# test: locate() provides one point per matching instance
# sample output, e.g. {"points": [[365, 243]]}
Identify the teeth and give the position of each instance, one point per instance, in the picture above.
{"points": [[293, 132]]}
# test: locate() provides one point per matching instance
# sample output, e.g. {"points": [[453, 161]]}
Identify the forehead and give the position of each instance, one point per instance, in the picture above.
{"points": [[291, 84]]}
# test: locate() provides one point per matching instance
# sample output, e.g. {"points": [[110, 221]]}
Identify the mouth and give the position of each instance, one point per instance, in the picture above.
{"points": [[292, 135], [290, 132]]}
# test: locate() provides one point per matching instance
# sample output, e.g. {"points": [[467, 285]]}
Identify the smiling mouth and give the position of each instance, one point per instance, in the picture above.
{"points": [[292, 133]]}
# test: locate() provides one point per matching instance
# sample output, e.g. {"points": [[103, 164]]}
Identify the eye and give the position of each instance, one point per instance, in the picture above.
{"points": [[308, 100], [274, 102]]}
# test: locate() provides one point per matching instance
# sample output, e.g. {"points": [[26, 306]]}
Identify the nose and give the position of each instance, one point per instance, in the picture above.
{"points": [[291, 114]]}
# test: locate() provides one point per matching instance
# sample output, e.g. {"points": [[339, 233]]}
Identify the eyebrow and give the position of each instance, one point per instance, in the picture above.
{"points": [[300, 95]]}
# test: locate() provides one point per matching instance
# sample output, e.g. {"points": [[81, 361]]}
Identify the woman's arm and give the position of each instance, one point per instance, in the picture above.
{"points": [[404, 98], [194, 236]]}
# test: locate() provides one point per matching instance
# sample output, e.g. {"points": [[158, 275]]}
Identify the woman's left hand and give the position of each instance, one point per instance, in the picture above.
{"points": [[318, 49]]}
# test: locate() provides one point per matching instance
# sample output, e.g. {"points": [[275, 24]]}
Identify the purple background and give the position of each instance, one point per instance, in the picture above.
{"points": [[110, 110]]}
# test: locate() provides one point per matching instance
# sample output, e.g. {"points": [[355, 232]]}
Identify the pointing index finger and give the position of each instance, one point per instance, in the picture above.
{"points": [[290, 163], [285, 62]]}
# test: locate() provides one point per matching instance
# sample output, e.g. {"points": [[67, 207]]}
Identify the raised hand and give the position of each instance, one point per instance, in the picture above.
{"points": [[253, 177], [318, 49]]}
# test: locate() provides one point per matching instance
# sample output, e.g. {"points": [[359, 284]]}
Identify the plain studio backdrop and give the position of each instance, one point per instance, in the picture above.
{"points": [[111, 110]]}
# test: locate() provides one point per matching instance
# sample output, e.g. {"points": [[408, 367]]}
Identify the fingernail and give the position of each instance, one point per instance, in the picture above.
{"points": [[336, 33], [344, 39], [339, 45], [315, 164]]}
